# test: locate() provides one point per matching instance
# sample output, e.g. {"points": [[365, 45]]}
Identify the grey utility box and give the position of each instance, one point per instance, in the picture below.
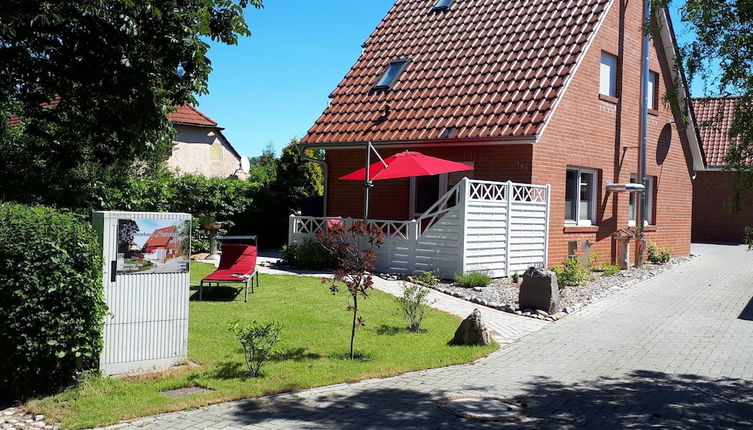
{"points": [[145, 275]]}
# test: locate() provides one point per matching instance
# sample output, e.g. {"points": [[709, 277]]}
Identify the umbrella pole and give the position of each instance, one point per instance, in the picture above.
{"points": [[367, 184]]}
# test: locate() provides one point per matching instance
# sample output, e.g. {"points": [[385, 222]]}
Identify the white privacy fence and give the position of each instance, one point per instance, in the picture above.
{"points": [[478, 226]]}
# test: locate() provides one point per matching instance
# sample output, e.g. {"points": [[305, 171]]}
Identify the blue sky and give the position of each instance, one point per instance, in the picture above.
{"points": [[272, 86]]}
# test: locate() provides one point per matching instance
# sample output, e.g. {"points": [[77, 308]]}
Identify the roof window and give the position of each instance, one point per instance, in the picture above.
{"points": [[391, 74], [441, 5]]}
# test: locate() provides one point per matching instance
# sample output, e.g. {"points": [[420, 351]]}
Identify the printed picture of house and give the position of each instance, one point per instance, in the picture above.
{"points": [[152, 245], [530, 92], [163, 244], [713, 188]]}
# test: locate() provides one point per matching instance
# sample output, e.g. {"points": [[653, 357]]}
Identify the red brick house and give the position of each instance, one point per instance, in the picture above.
{"points": [[714, 186], [544, 92]]}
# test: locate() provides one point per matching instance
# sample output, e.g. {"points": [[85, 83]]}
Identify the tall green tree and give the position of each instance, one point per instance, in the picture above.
{"points": [[264, 167], [297, 178], [91, 82], [722, 56]]}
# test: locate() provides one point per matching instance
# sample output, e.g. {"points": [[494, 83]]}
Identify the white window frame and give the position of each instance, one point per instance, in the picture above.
{"points": [[653, 79], [650, 184], [594, 193], [608, 74], [443, 188]]}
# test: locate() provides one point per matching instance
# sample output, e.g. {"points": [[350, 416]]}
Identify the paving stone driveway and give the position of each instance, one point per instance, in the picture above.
{"points": [[673, 352]]}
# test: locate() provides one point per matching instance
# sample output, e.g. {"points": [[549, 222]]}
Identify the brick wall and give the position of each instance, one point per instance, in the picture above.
{"points": [[390, 199], [711, 222], [591, 133]]}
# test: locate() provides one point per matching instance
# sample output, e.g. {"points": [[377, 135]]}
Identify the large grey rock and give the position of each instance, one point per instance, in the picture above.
{"points": [[539, 290], [472, 331]]}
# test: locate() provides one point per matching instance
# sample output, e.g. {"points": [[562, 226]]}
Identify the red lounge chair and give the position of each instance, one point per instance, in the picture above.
{"points": [[237, 265]]}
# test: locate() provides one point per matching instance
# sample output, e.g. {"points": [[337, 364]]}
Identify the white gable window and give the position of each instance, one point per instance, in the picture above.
{"points": [[608, 75], [580, 196], [650, 181], [653, 92]]}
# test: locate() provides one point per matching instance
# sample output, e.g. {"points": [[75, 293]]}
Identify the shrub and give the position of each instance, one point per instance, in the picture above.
{"points": [[592, 259], [413, 304], [657, 254], [289, 254], [312, 255], [51, 299], [309, 255], [571, 273], [257, 341], [472, 279], [427, 279], [515, 278], [608, 269]]}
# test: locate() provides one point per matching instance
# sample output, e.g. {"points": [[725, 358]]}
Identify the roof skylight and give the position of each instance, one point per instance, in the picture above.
{"points": [[391, 74], [441, 5]]}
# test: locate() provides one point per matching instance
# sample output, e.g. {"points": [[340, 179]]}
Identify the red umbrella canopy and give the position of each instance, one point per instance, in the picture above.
{"points": [[407, 164]]}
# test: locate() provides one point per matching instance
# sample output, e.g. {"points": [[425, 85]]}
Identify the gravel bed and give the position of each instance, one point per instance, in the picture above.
{"points": [[15, 418], [503, 294]]}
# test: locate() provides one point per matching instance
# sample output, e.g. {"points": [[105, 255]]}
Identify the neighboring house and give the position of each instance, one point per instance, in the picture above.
{"points": [[714, 186], [200, 146], [539, 92]]}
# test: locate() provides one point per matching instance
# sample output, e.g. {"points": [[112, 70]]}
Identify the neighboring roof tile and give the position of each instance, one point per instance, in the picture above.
{"points": [[13, 120], [191, 116], [714, 117], [487, 68], [188, 115]]}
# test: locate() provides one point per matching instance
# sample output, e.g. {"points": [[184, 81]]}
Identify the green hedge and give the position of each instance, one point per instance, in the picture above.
{"points": [[193, 194], [51, 299]]}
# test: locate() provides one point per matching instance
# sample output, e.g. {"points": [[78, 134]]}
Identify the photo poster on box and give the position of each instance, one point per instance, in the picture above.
{"points": [[153, 246]]}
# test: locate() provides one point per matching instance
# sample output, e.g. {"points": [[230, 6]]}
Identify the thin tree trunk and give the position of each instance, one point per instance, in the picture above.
{"points": [[353, 329]]}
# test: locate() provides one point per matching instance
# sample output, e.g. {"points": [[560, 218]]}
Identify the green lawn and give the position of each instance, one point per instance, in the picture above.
{"points": [[311, 352]]}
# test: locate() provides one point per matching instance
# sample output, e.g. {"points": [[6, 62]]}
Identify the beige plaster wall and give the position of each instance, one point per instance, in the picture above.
{"points": [[192, 154]]}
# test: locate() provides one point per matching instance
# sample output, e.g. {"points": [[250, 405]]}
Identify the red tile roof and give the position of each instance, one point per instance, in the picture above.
{"points": [[161, 237], [187, 115], [714, 117], [13, 120], [490, 69], [191, 116]]}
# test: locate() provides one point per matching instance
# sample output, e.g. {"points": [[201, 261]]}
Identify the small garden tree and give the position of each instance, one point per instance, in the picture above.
{"points": [[353, 247]]}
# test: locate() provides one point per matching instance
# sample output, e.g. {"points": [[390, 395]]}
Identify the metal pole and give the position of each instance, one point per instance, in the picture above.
{"points": [[641, 215], [367, 184]]}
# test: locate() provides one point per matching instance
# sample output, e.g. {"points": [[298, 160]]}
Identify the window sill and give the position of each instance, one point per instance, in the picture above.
{"points": [[609, 99], [581, 229], [647, 227], [653, 112]]}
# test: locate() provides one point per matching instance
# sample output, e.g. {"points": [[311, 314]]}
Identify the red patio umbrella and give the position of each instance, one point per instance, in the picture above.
{"points": [[407, 164], [401, 165]]}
